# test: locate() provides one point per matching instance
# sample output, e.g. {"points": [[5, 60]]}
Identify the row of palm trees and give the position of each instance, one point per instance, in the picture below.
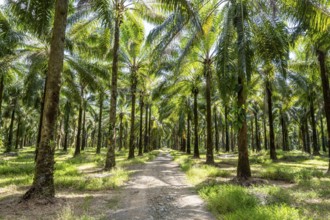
{"points": [[211, 73]]}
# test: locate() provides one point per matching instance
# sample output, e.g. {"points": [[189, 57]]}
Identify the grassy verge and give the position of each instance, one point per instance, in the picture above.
{"points": [[80, 173], [294, 187]]}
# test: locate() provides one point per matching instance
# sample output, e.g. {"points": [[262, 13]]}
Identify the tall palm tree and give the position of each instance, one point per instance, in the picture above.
{"points": [[43, 182]]}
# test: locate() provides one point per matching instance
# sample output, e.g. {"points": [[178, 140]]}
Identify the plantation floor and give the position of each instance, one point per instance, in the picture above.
{"points": [[160, 191]]}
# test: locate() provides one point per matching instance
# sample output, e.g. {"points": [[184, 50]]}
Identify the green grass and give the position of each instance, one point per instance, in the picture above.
{"points": [[80, 173], [294, 187]]}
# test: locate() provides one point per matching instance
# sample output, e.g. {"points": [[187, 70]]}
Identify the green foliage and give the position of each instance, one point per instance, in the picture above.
{"points": [[281, 212], [224, 199], [292, 175]]}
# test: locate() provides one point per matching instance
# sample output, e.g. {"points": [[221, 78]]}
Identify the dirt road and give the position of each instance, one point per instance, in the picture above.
{"points": [[159, 190]]}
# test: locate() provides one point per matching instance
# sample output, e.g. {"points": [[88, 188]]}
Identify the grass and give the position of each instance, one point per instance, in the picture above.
{"points": [[294, 187], [80, 173]]}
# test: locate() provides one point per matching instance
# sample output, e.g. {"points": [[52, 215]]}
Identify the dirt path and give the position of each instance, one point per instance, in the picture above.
{"points": [[160, 191]]}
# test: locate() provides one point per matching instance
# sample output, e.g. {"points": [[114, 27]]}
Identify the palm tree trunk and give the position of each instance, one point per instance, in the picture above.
{"points": [[252, 136], [78, 137], [110, 161], [18, 132], [43, 182], [40, 119], [188, 133], [145, 147], [99, 131], [209, 144], [326, 93], [308, 143], [66, 126], [322, 135], [11, 130], [227, 128], [271, 121], [313, 123], [257, 132], [141, 126], [149, 128], [216, 130], [132, 131], [121, 116], [196, 150], [2, 87], [243, 167], [83, 138], [265, 132]]}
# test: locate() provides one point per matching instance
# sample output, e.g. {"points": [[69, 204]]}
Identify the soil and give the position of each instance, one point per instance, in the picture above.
{"points": [[160, 191]]}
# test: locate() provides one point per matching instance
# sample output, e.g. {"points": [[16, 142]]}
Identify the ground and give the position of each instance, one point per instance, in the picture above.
{"points": [[154, 187], [159, 190]]}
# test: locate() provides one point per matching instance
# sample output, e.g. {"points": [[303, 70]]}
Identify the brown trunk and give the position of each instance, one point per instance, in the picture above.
{"points": [[243, 167], [216, 130], [43, 182], [322, 135], [66, 126], [188, 133], [227, 128], [132, 131], [18, 132], [257, 132], [110, 161], [121, 116], [145, 147], [313, 123], [149, 128], [2, 86], [11, 129], [78, 139], [271, 121], [196, 150], [141, 125], [99, 131], [40, 119], [209, 144], [326, 93], [83, 138]]}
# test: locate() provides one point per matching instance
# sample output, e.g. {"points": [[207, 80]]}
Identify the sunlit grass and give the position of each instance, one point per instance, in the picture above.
{"points": [[295, 186], [83, 172]]}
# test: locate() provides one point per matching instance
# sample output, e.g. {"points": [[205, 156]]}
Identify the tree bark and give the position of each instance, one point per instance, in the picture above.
{"points": [[145, 147], [66, 126], [11, 129], [78, 139], [313, 123], [83, 138], [188, 133], [271, 121], [322, 135], [99, 131], [216, 130], [257, 132], [326, 93], [141, 126], [227, 128], [132, 131], [243, 167], [196, 148], [40, 119], [2, 87], [209, 144], [43, 182], [110, 161], [18, 132]]}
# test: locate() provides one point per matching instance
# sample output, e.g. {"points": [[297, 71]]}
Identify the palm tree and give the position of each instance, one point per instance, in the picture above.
{"points": [[43, 182]]}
